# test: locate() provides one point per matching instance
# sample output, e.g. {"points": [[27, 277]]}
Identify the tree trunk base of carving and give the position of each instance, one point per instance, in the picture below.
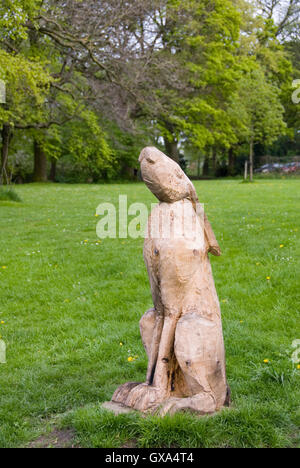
{"points": [[148, 399]]}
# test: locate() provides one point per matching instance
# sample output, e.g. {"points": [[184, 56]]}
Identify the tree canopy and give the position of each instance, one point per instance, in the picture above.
{"points": [[91, 81]]}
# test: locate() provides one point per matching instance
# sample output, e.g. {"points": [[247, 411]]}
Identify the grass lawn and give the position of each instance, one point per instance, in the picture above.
{"points": [[68, 303]]}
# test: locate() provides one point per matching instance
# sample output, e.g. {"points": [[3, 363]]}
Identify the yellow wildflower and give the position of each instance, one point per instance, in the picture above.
{"points": [[130, 359], [4, 267], [266, 361], [268, 278], [298, 367], [281, 246]]}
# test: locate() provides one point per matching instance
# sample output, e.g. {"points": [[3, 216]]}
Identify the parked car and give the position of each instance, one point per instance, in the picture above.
{"points": [[263, 169], [288, 168], [291, 168], [268, 168]]}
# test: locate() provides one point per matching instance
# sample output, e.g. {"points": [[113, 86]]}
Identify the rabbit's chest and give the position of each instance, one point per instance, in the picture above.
{"points": [[175, 245]]}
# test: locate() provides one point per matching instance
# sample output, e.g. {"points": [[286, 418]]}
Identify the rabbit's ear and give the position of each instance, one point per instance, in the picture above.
{"points": [[213, 246], [212, 243], [193, 194]]}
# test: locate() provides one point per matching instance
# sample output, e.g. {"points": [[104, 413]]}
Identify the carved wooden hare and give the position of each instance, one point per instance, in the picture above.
{"points": [[182, 334]]}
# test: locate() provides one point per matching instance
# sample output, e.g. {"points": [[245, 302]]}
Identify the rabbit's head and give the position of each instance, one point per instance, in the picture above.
{"points": [[164, 177]]}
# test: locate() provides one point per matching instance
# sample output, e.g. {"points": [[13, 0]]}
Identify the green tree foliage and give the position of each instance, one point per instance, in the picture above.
{"points": [[27, 84], [44, 92], [93, 80], [257, 111], [202, 37], [14, 15], [85, 141]]}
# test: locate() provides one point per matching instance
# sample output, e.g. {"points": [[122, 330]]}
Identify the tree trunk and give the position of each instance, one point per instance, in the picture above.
{"points": [[231, 161], [214, 160], [205, 171], [172, 149], [40, 163], [6, 137], [199, 167], [251, 159], [53, 170]]}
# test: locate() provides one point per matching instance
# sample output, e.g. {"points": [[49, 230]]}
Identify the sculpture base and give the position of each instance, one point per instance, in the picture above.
{"points": [[149, 399], [116, 408], [178, 406]]}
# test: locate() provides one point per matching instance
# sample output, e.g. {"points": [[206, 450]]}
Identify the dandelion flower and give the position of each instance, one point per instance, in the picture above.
{"points": [[130, 359], [266, 361], [2, 322], [281, 246], [268, 278], [121, 344], [4, 267], [298, 367]]}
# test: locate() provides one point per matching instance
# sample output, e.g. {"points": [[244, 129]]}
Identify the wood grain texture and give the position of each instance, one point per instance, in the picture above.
{"points": [[182, 334]]}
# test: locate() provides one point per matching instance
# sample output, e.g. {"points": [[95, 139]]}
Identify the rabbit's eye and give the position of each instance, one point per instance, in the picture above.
{"points": [[150, 160]]}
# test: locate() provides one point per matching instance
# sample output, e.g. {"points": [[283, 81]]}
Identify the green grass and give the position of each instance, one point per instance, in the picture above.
{"points": [[9, 194], [68, 304]]}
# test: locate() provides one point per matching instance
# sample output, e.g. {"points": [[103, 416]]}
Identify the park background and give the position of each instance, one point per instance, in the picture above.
{"points": [[88, 85]]}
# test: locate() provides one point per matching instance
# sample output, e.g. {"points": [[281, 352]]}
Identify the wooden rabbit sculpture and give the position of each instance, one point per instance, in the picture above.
{"points": [[182, 334]]}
